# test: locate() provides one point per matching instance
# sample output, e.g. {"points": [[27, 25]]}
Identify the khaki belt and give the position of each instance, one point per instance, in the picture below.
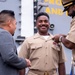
{"points": [[44, 72]]}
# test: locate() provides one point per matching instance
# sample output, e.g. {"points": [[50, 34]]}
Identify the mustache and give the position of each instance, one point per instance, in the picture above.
{"points": [[43, 25]]}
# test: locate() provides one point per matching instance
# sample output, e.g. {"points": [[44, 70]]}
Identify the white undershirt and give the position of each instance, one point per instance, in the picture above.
{"points": [[46, 37]]}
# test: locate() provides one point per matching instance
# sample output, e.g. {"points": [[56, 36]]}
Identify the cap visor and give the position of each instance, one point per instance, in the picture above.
{"points": [[64, 10]]}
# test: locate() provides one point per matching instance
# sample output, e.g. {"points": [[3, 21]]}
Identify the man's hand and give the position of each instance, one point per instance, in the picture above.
{"points": [[56, 37], [28, 62]]}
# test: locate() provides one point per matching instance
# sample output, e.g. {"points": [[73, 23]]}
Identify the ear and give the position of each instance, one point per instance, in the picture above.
{"points": [[74, 6], [9, 23], [49, 25]]}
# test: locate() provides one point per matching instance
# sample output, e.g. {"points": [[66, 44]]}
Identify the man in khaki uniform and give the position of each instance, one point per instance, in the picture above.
{"points": [[69, 39], [46, 56]]}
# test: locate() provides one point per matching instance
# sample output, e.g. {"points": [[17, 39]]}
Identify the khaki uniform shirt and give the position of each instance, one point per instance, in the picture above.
{"points": [[44, 55], [71, 35]]}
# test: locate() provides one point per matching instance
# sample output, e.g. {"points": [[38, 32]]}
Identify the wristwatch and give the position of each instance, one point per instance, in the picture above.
{"points": [[60, 38]]}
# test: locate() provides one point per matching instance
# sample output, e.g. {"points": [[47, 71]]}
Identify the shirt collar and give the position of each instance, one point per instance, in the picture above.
{"points": [[37, 35]]}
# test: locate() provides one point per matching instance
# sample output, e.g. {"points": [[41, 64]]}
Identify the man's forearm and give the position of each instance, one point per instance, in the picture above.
{"points": [[61, 69], [67, 43]]}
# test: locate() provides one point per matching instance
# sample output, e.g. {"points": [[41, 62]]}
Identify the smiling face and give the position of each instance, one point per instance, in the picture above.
{"points": [[43, 25]]}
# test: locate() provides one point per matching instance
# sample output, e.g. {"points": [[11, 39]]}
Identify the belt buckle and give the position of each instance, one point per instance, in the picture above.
{"points": [[46, 73]]}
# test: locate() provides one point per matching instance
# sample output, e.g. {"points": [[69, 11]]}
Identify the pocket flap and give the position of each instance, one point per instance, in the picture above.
{"points": [[36, 46], [56, 47]]}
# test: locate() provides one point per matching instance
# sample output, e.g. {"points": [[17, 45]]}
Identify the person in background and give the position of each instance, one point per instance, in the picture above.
{"points": [[47, 57], [69, 39], [10, 63]]}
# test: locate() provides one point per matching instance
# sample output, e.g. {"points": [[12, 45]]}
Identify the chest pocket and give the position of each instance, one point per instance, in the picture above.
{"points": [[35, 51], [56, 47], [35, 47], [55, 53]]}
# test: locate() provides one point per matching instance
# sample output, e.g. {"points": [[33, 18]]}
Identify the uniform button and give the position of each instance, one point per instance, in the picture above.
{"points": [[46, 41], [46, 63], [46, 55], [46, 47]]}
